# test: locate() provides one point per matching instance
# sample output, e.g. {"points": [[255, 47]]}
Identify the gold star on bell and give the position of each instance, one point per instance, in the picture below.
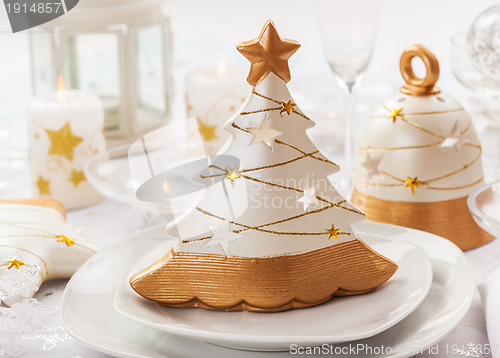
{"points": [[268, 53], [333, 232], [393, 113], [287, 107], [63, 141], [15, 262], [232, 174], [412, 183], [77, 177], [43, 186], [67, 240], [207, 131]]}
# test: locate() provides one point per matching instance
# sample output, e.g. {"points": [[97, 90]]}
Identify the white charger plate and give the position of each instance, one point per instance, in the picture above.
{"points": [[484, 204], [339, 320], [89, 316]]}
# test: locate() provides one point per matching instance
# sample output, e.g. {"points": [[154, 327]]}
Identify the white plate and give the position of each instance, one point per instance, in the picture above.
{"points": [[484, 205], [339, 320], [89, 316]]}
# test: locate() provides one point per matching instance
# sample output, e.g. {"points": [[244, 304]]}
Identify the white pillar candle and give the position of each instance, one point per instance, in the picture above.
{"points": [[65, 128], [213, 94]]}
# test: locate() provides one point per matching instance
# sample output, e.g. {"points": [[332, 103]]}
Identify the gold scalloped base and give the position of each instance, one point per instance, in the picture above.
{"points": [[449, 218], [268, 284]]}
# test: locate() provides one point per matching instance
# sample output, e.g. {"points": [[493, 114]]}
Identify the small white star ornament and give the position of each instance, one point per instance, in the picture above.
{"points": [[222, 235], [454, 139], [309, 198], [371, 163], [265, 133], [36, 245]]}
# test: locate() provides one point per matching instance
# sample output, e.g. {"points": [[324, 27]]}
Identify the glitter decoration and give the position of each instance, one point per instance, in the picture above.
{"points": [[483, 42], [25, 317]]}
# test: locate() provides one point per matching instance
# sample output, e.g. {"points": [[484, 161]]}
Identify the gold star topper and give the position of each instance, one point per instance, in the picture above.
{"points": [[63, 141], [394, 113], [333, 232], [268, 53], [15, 262], [412, 183]]}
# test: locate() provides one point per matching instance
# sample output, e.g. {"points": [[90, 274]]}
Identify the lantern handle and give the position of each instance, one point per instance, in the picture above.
{"points": [[414, 85]]}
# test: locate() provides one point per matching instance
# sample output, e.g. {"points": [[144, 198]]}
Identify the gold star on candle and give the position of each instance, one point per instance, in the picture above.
{"points": [[333, 232], [412, 183], [67, 240], [268, 53], [207, 131], [63, 141], [393, 113], [43, 186], [232, 174], [15, 262], [287, 107], [77, 177]]}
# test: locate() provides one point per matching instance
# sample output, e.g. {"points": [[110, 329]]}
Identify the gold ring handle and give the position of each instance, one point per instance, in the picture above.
{"points": [[417, 86]]}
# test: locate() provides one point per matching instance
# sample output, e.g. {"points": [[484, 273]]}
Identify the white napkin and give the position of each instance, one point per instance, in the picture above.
{"points": [[490, 295]]}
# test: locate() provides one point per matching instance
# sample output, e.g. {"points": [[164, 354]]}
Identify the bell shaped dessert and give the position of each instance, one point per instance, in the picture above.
{"points": [[419, 159]]}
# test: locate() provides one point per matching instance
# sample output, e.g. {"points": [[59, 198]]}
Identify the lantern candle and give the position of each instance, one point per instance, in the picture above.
{"points": [[213, 94], [65, 129]]}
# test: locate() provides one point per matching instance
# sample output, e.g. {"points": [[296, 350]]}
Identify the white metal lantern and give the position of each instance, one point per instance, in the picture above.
{"points": [[117, 49]]}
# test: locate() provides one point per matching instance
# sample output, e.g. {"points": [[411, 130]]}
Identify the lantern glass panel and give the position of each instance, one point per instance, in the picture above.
{"points": [[42, 68], [93, 66], [152, 94]]}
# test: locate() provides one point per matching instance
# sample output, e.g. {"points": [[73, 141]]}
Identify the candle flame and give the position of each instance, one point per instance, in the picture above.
{"points": [[222, 68], [61, 89]]}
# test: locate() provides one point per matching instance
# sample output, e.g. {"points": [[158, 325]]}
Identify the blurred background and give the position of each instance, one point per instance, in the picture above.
{"points": [[205, 31]]}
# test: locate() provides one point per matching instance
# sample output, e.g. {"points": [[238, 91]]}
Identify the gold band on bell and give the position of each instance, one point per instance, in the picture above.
{"points": [[449, 218], [263, 284]]}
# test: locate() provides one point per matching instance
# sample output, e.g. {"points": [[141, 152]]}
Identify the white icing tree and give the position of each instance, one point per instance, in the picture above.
{"points": [[281, 198], [272, 233]]}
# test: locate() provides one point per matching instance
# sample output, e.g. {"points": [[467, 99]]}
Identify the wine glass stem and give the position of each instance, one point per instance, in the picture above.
{"points": [[351, 134]]}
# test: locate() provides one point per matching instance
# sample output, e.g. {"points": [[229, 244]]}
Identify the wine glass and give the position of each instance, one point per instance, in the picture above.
{"points": [[349, 31], [471, 77]]}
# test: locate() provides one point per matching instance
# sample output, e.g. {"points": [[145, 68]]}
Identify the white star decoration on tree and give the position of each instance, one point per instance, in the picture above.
{"points": [[309, 198], [371, 163], [264, 133], [222, 235], [454, 139]]}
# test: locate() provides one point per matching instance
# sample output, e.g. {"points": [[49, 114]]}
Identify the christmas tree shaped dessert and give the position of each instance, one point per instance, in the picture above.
{"points": [[274, 234]]}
